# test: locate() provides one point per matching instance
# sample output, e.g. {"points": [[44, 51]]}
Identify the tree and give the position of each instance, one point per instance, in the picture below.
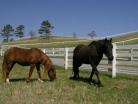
{"points": [[7, 32], [92, 34], [45, 28], [20, 31]]}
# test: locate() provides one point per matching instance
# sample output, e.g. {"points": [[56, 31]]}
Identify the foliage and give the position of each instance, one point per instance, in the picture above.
{"points": [[7, 31], [20, 31], [45, 28]]}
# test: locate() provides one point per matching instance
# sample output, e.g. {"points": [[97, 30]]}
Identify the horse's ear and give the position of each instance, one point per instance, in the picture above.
{"points": [[105, 40], [111, 40]]}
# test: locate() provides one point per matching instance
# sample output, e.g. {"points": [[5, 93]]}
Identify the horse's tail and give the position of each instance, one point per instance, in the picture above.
{"points": [[4, 68], [75, 58], [76, 50]]}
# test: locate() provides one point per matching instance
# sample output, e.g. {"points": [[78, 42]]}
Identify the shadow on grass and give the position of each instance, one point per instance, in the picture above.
{"points": [[86, 80], [25, 80]]}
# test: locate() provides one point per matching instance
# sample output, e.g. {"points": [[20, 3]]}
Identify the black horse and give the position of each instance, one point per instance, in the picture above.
{"points": [[91, 54]]}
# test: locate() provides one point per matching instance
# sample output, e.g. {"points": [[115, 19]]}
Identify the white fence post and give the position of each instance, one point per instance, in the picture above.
{"points": [[53, 51], [66, 59], [131, 52], [114, 61]]}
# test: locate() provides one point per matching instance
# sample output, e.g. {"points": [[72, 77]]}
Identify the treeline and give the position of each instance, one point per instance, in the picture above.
{"points": [[8, 31]]}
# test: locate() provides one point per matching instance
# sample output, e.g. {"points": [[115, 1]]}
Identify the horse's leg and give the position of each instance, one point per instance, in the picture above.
{"points": [[76, 70], [93, 70], [39, 72], [7, 71], [98, 78], [4, 70], [92, 73], [30, 72]]}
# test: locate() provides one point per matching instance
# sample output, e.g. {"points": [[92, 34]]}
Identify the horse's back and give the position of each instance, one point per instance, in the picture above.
{"points": [[84, 49], [84, 54], [19, 51], [22, 55], [78, 48]]}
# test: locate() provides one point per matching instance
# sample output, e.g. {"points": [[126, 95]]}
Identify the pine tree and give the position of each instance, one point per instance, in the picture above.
{"points": [[45, 29], [20, 31], [7, 32]]}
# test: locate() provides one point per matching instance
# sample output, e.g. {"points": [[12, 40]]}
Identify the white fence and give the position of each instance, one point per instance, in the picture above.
{"points": [[125, 59]]}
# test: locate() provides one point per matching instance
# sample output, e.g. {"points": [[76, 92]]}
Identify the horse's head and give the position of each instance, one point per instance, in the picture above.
{"points": [[52, 73], [108, 49]]}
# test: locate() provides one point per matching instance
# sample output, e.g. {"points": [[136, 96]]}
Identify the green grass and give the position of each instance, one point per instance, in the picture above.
{"points": [[127, 37], [121, 90]]}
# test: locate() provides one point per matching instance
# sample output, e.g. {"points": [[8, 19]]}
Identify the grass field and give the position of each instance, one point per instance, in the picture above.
{"points": [[121, 90], [128, 36]]}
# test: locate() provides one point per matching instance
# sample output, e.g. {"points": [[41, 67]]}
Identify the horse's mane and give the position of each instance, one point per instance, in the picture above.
{"points": [[48, 64], [95, 42]]}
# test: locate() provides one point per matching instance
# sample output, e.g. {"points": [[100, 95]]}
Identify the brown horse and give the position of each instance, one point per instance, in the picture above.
{"points": [[33, 57]]}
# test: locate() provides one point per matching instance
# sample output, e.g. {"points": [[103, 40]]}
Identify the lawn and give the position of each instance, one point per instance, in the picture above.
{"points": [[121, 90]]}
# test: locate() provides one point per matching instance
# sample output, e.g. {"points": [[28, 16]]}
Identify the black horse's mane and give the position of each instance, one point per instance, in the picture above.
{"points": [[92, 43], [95, 42]]}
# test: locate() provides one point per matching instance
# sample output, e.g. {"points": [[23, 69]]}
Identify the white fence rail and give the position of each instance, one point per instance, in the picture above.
{"points": [[125, 59]]}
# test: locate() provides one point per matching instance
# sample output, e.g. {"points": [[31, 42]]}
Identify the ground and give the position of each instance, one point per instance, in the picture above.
{"points": [[121, 90]]}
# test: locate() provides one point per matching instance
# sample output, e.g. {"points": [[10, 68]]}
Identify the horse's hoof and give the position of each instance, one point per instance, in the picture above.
{"points": [[28, 80], [94, 81], [90, 83], [40, 80], [73, 78], [8, 81]]}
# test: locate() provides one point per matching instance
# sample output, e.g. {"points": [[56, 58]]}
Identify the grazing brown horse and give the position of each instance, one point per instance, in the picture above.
{"points": [[33, 57]]}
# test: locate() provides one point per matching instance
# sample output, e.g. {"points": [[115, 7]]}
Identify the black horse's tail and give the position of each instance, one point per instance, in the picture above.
{"points": [[75, 70], [75, 52]]}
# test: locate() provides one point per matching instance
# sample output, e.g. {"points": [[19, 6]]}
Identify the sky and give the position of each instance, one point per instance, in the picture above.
{"points": [[105, 17]]}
